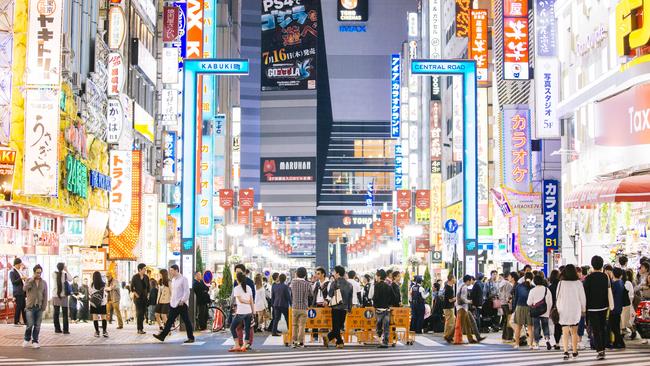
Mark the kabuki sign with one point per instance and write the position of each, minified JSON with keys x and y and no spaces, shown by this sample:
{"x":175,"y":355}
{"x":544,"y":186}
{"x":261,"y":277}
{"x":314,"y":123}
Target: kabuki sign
{"x":44,"y":42}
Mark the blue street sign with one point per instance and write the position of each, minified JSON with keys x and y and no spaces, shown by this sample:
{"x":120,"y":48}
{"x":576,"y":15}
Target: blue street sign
{"x":311,"y":313}
{"x":451,"y":226}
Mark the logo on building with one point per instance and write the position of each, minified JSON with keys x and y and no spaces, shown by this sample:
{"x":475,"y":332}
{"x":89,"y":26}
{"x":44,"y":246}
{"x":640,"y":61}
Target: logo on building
{"x":632,"y":31}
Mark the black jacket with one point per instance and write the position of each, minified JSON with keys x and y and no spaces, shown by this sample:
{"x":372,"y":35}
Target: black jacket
{"x":449,"y":296}
{"x":383,"y":297}
{"x":140,"y":287}
{"x":202,"y":292}
{"x":346,"y":293}
{"x":17,"y":283}
{"x":397,"y":294}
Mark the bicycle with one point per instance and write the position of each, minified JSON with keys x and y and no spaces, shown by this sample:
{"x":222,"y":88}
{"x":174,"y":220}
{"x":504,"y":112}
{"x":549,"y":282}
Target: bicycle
{"x":218,"y":315}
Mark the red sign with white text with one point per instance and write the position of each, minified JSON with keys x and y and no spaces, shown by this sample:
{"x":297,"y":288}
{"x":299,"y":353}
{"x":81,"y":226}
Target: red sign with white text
{"x":246,"y":198}
{"x":403,"y":219}
{"x":243,"y":216}
{"x":478,"y":42}
{"x":404,"y":199}
{"x":423,"y":199}
{"x":515,"y":49}
{"x":258,"y":219}
{"x":515,"y":8}
{"x":170,"y":23}
{"x":226,"y":198}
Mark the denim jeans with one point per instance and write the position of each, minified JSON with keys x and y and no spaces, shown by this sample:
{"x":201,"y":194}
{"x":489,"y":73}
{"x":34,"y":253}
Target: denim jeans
{"x":34,"y":318}
{"x":541,"y":324}
{"x":241,"y":318}
{"x":383,"y":325}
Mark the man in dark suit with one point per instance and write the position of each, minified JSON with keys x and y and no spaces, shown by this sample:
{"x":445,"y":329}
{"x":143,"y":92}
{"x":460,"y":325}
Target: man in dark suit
{"x":201,"y":291}
{"x":17,"y":279}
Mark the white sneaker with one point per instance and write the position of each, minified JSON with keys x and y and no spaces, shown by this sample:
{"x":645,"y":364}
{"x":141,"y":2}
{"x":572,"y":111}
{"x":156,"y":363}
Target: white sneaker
{"x":534,"y":347}
{"x":516,"y":346}
{"x":35,"y":345}
{"x":26,"y":344}
{"x":644,"y":341}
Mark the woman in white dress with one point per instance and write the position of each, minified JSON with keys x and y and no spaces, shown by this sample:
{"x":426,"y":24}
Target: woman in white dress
{"x":125,"y":302}
{"x":260,"y":303}
{"x":571,"y":304}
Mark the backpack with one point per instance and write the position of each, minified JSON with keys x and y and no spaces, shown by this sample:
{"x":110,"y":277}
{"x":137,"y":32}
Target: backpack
{"x":539,"y":308}
{"x":416,"y":296}
{"x":97,"y":298}
{"x":476,"y":295}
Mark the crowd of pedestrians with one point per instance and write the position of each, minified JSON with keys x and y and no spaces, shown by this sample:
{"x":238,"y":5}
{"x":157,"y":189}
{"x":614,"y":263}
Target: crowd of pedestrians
{"x":557,"y":311}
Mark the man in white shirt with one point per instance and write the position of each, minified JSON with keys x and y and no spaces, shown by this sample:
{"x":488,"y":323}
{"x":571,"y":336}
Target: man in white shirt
{"x":178,"y":305}
{"x":356,"y":289}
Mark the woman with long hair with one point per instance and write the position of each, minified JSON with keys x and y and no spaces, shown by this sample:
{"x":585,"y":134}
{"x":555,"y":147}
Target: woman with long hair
{"x":164,"y":296}
{"x":98,"y":301}
{"x":62,"y":290}
{"x":243,"y":295}
{"x":554,"y":280}
{"x":522,"y":311}
{"x":571,"y":304}
{"x":627,"y":318}
{"x":260,"y":303}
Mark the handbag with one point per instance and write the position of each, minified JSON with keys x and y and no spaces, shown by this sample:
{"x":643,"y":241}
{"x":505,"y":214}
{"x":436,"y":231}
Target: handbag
{"x":337,"y":298}
{"x":555,"y":314}
{"x":610,"y":296}
{"x":539,"y":308}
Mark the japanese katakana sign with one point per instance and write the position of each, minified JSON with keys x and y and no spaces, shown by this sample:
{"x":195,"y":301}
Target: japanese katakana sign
{"x":516,"y":148}
{"x":515,"y":48}
{"x":44,"y":43}
{"x":478,"y":43}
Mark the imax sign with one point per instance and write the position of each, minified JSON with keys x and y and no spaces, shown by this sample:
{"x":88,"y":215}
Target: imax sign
{"x":352,"y":29}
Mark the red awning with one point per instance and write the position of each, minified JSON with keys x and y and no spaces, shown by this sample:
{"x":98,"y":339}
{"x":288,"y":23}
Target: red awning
{"x":631,"y":189}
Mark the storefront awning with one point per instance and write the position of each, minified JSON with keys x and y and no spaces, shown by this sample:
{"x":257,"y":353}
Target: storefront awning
{"x":630,"y":189}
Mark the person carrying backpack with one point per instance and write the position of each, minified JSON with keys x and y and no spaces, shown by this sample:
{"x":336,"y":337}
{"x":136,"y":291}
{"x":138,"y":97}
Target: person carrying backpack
{"x":418,"y":296}
{"x":98,"y":301}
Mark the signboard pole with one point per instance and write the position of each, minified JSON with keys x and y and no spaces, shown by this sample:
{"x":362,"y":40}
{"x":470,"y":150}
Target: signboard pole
{"x":466,"y":68}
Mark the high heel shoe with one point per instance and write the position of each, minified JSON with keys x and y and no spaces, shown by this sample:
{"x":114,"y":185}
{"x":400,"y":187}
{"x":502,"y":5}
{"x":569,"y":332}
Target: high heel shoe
{"x":566,"y":356}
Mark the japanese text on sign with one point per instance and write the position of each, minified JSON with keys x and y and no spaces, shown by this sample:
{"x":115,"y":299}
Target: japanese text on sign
{"x":516,"y":148}
{"x":545,"y":28}
{"x":478,"y":42}
{"x":462,"y":18}
{"x":515,"y":48}
{"x":395,"y":95}
{"x":43,"y":64}
{"x":41,"y":142}
{"x":551,"y":207}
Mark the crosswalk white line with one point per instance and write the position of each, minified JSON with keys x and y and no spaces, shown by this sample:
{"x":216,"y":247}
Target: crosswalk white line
{"x":273,"y":341}
{"x":426,"y":341}
{"x":11,"y":361}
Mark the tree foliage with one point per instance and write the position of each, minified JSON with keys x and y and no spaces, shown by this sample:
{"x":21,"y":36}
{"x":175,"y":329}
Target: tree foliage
{"x":405,"y":287}
{"x":225,"y":291}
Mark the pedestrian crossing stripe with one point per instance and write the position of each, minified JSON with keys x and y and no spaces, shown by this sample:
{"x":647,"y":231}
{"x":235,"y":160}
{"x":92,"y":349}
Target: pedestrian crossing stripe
{"x":422,"y":340}
{"x":356,"y":357}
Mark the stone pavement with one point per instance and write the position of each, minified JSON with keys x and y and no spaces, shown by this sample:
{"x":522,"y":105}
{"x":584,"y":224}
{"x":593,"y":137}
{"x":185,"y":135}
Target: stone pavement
{"x":83,"y":334}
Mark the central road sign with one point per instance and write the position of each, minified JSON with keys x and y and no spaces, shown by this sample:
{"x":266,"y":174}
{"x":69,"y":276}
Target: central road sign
{"x":467,"y":69}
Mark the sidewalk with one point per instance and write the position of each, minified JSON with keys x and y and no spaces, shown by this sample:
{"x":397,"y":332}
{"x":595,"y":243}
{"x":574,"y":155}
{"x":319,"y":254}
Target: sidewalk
{"x":83,"y":334}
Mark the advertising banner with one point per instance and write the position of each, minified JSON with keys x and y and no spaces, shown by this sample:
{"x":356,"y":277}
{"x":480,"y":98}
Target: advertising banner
{"x":289,"y":44}
{"x":194,"y":32}
{"x":623,"y":120}
{"x":258,"y":219}
{"x":458,"y":103}
{"x":478,"y":43}
{"x":149,"y":232}
{"x":404,"y":199}
{"x":435,"y":45}
{"x":243,"y":216}
{"x":204,"y":202}
{"x":551,"y":211}
{"x":116,"y":27}
{"x":516,"y":148}
{"x":283,"y":170}
{"x":422,"y":243}
{"x":181,"y":40}
{"x":395,"y":96}
{"x":76,"y":180}
{"x":515,"y":8}
{"x":226,"y":198}
{"x":7,"y":166}
{"x":462,"y":17}
{"x":170,"y":23}
{"x":483,"y":159}
{"x":43,"y":63}
{"x":169,"y":107}
{"x":41,"y":160}
{"x":435,"y":218}
{"x":125,"y":204}
{"x":114,"y":121}
{"x":162,"y":235}
{"x":169,"y":65}
{"x":547,"y":89}
{"x":143,"y":122}
{"x":387,"y":220}
{"x":169,"y":164}
{"x":435,"y":117}
{"x":398,"y":167}
{"x":93,"y":259}
{"x":545,"y":28}
{"x":246,"y":198}
{"x":352,"y":10}
{"x":174,"y":230}
{"x":423,"y":199}
{"x":115,"y":74}
{"x":515,"y":49}
{"x":403,"y":219}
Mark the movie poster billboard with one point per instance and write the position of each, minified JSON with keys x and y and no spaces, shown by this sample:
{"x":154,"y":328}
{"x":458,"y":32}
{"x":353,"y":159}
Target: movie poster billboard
{"x":289,"y":44}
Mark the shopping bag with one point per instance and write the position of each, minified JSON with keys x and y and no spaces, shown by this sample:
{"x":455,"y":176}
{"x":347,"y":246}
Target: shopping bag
{"x":282,"y":325}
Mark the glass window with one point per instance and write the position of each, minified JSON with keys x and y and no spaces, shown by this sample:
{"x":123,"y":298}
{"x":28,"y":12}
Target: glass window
{"x":374,"y":149}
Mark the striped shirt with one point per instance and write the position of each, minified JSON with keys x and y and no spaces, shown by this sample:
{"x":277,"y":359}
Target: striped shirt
{"x":300,"y":290}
